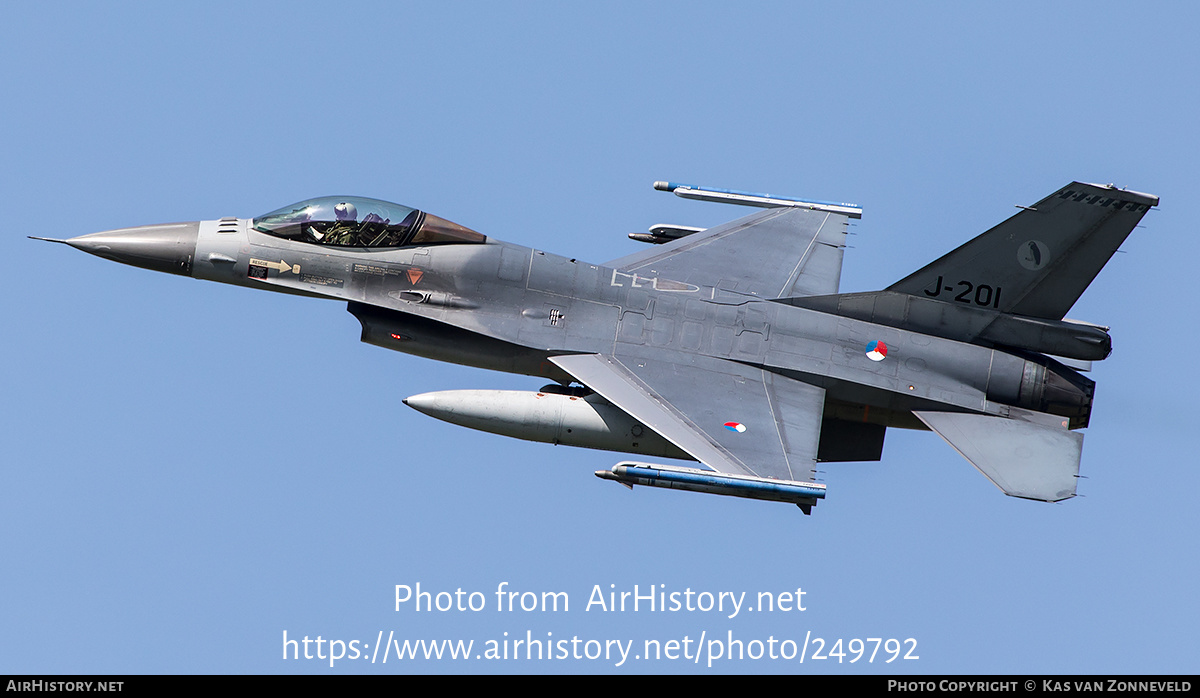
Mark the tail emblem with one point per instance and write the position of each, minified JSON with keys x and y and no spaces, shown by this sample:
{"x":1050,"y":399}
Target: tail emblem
{"x":1033,"y":255}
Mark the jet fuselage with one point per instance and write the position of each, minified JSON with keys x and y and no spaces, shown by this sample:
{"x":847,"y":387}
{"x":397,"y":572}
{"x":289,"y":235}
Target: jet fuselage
{"x":505,"y":307}
{"x":730,"y":345}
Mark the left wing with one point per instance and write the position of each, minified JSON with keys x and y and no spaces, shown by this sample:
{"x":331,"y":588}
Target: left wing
{"x":777,"y":253}
{"x":731,"y":417}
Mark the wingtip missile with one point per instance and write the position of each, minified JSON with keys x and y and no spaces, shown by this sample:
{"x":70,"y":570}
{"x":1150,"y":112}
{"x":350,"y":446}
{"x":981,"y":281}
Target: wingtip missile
{"x":629,"y":473}
{"x":760,"y":200}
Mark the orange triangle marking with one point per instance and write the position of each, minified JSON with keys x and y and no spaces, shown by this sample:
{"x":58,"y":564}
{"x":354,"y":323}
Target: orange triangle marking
{"x":414,"y":275}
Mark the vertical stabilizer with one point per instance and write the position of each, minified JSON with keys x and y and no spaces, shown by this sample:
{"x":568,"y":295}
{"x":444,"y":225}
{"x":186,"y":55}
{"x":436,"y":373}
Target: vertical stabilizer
{"x":1038,"y":262}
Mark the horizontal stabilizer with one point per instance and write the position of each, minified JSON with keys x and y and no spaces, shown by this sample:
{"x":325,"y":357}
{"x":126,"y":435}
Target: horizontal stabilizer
{"x":1024,"y":459}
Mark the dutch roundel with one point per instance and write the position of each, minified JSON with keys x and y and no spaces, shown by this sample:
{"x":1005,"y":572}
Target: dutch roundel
{"x":876,"y":350}
{"x":735,"y":426}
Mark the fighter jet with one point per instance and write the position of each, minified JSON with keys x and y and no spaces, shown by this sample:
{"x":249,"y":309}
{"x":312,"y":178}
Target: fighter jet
{"x":730,"y":346}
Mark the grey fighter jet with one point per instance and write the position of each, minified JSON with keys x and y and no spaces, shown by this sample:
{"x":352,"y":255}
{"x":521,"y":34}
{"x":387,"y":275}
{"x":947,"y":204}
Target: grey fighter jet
{"x":730,"y":346}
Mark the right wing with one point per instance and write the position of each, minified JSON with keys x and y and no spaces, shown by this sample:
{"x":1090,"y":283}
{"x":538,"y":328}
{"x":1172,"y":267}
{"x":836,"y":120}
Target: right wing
{"x":780,"y":252}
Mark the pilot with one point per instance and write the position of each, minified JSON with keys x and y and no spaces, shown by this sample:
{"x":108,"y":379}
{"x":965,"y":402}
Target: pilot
{"x":344,"y":232}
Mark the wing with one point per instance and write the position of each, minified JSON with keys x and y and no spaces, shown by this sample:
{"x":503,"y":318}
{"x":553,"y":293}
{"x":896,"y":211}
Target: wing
{"x":733,"y":418}
{"x":780,"y":252}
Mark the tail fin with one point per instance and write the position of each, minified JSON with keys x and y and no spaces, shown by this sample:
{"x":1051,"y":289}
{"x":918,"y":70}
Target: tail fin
{"x":1038,"y":262}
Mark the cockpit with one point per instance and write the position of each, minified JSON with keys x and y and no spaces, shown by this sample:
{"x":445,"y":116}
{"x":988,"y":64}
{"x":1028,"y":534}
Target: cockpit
{"x":355,"y":221}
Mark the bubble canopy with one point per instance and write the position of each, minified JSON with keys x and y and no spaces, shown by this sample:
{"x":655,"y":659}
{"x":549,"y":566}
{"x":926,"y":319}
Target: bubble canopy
{"x":355,"y":221}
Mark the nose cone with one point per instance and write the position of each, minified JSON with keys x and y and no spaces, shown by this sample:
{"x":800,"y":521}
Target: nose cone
{"x":168,"y":248}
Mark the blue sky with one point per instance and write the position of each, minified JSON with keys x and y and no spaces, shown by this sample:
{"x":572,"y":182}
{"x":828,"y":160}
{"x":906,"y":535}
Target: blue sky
{"x":190,"y":470}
